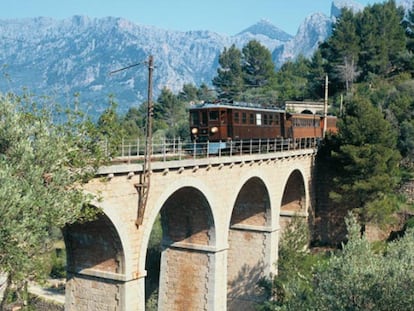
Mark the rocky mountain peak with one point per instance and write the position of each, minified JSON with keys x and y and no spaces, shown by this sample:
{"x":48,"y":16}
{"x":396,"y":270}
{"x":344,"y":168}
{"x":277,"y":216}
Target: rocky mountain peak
{"x":265,"y":27}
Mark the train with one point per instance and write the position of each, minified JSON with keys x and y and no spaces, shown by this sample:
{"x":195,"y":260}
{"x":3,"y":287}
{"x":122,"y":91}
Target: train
{"x":226,"y":125}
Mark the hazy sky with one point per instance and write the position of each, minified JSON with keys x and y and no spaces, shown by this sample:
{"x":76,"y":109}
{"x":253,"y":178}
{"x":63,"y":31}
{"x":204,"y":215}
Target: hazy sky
{"x":222,"y":16}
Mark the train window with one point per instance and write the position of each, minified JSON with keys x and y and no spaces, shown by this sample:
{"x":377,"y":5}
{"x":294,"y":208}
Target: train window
{"x":194,"y":118}
{"x":236,"y":117}
{"x":251,"y":118}
{"x":277,"y":119}
{"x":204,"y":117}
{"x":223,"y":117}
{"x":244,"y":118}
{"x":270,"y":119}
{"x":213,"y":115}
{"x":265,"y":116}
{"x":258,"y":119}
{"x":296,"y":122}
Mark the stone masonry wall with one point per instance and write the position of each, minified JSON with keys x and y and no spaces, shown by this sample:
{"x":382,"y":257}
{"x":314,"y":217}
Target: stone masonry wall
{"x":92,"y":294}
{"x":184,"y":280}
{"x":245,"y":268}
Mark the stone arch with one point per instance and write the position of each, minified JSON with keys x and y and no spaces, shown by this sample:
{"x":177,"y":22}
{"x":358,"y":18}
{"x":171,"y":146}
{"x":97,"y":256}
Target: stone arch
{"x":294,"y":193}
{"x":187,"y":218}
{"x":295,"y":199}
{"x":252,"y":204}
{"x":159,"y":204}
{"x":95,"y":263}
{"x":248,"y":244}
{"x":307,"y":111}
{"x":187,"y":262}
{"x":94,"y":245}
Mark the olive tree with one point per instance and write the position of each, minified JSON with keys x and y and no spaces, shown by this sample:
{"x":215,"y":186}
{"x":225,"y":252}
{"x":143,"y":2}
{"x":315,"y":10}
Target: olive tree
{"x":357,"y":277}
{"x":42,"y":166}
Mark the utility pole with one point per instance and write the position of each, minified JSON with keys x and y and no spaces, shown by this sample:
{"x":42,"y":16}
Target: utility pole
{"x":325,"y":107}
{"x":144,"y":179}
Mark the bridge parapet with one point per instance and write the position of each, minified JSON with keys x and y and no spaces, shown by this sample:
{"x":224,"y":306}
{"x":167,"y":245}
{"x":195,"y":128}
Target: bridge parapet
{"x":157,"y":165}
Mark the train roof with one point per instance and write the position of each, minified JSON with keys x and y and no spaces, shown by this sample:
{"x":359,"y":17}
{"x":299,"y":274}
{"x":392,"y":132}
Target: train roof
{"x":236,"y":105}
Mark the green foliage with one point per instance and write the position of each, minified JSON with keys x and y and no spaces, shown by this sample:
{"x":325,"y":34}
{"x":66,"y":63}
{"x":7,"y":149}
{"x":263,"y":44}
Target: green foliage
{"x":342,"y":51}
{"x":133,"y":123}
{"x":152,"y":265}
{"x":367,"y":162}
{"x":109,"y":128}
{"x":189,"y":93}
{"x":360,"y":277}
{"x":42,"y":165}
{"x":240,"y":71}
{"x":382,"y":38}
{"x":170,"y":113}
{"x":229,"y":79}
{"x":257,"y":65}
{"x":316,"y":77}
{"x":292,"y":80}
{"x":295,"y":268}
{"x":58,"y":261}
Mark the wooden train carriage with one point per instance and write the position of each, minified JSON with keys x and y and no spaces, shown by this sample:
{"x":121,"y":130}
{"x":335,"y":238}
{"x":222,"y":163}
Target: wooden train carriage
{"x":308,"y":125}
{"x":330,"y":124}
{"x":303,"y":125}
{"x":221,"y":122}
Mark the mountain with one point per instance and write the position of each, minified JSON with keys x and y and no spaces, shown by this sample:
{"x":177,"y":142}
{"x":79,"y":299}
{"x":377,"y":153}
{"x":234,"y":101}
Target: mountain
{"x":76,"y":55}
{"x":264,"y":27}
{"x":314,"y":30}
{"x":63,"y":57}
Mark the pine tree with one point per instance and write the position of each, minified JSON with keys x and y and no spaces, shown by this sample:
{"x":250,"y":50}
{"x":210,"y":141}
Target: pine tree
{"x":229,"y":80}
{"x":257,"y":65}
{"x":169,"y":112}
{"x":316,"y":76}
{"x":367,"y":162}
{"x":342,"y":51}
{"x":382,"y":39}
{"x":292,"y":79}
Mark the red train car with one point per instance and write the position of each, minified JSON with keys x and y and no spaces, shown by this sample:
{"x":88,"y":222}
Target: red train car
{"x":224,"y":122}
{"x":303,"y":125}
{"x":221,"y":122}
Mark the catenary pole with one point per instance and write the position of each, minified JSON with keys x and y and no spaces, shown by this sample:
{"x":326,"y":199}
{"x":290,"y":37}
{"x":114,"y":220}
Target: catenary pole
{"x":144,"y":180}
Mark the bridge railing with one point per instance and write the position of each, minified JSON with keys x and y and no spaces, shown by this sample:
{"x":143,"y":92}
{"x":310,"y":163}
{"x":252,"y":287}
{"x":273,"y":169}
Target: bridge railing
{"x":177,"y":149}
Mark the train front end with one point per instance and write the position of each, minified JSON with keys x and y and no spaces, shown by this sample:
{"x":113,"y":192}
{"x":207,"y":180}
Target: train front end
{"x":208,"y":127}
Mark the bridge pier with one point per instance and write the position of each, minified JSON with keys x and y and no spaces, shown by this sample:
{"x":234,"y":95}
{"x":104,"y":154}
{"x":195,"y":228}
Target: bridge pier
{"x":92,"y":290}
{"x":252,"y":256}
{"x":193,"y":277}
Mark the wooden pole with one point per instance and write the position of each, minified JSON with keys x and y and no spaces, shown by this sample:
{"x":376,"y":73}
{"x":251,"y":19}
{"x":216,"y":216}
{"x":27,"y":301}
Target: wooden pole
{"x":144,"y":184}
{"x":325,"y":106}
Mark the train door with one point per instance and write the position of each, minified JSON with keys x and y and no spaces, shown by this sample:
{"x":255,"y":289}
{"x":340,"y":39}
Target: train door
{"x":223,"y":124}
{"x":229,"y":122}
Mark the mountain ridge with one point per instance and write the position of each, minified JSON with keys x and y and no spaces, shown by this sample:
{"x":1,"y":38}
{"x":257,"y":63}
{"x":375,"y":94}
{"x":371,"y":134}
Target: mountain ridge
{"x":61,"y":58}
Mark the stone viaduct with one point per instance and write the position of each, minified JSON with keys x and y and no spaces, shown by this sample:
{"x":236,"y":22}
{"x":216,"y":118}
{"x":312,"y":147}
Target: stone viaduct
{"x":222,"y":219}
